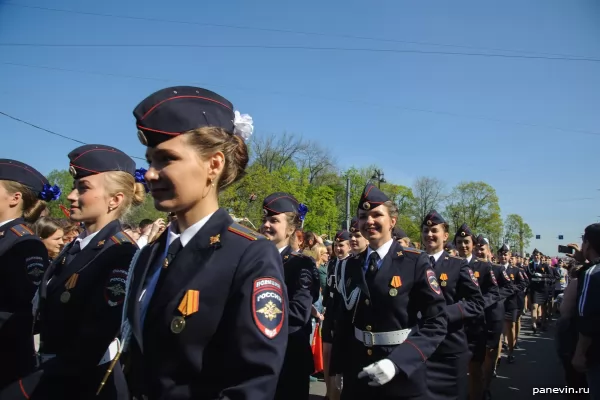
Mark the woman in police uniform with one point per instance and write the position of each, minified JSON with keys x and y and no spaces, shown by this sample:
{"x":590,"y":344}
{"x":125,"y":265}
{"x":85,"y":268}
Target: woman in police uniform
{"x":447,"y":368}
{"x":206,"y":306}
{"x":23,"y":261}
{"x":283,"y":215}
{"x":80,"y":301}
{"x":377,"y":346}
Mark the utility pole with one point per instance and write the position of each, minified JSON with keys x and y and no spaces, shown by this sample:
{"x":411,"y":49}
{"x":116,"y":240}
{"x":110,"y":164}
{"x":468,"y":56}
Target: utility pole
{"x":521,"y":239}
{"x":348,"y":203}
{"x":378,"y":176}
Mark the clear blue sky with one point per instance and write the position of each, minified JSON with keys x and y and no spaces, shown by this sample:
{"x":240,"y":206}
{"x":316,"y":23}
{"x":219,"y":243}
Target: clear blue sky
{"x":356,"y":103}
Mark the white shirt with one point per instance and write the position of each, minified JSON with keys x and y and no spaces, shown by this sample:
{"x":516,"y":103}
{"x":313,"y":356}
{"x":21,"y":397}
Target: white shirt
{"x":6,"y":222}
{"x":282,"y":249}
{"x":142,"y":241}
{"x":382,"y":251}
{"x":85,"y":239}
{"x":189,"y":233}
{"x":469,"y":258}
{"x":437,"y":255}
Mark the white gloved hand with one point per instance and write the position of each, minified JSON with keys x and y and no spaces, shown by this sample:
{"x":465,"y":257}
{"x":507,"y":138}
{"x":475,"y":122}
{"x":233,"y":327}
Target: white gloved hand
{"x":537,"y":274}
{"x":339,"y":382}
{"x":380,"y":372}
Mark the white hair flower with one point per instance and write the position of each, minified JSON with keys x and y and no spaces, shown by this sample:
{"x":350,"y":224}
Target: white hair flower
{"x":243,"y":125}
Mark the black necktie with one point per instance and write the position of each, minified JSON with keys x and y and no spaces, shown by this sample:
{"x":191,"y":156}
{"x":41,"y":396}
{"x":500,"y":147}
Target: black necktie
{"x":73,"y":251}
{"x":372,"y":268}
{"x":174,"y":248}
{"x":158,"y":267}
{"x":432,"y":261}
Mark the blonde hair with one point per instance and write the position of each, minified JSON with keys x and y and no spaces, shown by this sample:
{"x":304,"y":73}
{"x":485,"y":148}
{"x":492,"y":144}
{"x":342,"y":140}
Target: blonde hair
{"x":392,"y":209}
{"x":134,"y":192}
{"x":209,"y":140}
{"x":319,"y":249}
{"x":32,"y":206}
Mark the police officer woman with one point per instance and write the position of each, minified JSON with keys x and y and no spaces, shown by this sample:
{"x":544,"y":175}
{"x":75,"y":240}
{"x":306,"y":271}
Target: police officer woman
{"x":23,"y":261}
{"x":377,"y":346}
{"x":358,"y":243}
{"x":206,"y":306}
{"x":282,"y":216}
{"x":447,"y":368}
{"x":81,"y":299}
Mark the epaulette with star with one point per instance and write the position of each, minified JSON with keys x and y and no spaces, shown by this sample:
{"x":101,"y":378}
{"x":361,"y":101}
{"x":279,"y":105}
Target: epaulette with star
{"x":412,"y":250}
{"x":21,"y":230}
{"x":245,"y":232}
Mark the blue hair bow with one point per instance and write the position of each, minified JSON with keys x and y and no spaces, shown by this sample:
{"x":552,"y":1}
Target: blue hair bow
{"x":139,"y":177}
{"x":49,"y":193}
{"x":302,"y":210}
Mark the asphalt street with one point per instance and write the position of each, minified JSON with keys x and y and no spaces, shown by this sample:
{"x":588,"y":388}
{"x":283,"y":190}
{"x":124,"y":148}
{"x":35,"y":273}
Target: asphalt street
{"x":536,"y":366}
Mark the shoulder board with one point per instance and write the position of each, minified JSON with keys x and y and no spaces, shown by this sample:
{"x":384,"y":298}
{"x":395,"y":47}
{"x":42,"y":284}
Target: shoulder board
{"x":481,"y":260}
{"x":457,"y":257}
{"x":412,"y":250}
{"x":121,"y":237}
{"x":21,"y":230}
{"x":244,"y":232}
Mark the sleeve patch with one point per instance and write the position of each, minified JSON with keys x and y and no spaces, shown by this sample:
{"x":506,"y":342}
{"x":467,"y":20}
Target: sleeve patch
{"x":268,"y":306}
{"x":35,"y":269}
{"x":114,"y":290}
{"x":473,"y":278}
{"x":505,"y":275}
{"x":433,"y":282}
{"x":306,"y":279}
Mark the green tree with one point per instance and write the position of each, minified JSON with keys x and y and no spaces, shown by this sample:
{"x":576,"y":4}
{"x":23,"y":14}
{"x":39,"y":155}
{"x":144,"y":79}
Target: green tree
{"x":64,"y":180}
{"x":517,"y":232}
{"x":145,"y":210}
{"x":477,"y":205}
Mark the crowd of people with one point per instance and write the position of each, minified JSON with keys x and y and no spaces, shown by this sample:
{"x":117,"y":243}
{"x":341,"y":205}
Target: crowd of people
{"x":198,"y":306}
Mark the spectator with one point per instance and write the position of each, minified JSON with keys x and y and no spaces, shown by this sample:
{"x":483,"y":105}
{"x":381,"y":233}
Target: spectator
{"x":51,"y":232}
{"x":587,"y":352}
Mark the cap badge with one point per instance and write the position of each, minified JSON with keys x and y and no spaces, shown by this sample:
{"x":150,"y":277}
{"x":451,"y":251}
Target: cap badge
{"x":463,"y":234}
{"x":72,"y":171}
{"x":142,"y":137}
{"x":429,"y":223}
{"x":265,"y":212}
{"x":366,"y":205}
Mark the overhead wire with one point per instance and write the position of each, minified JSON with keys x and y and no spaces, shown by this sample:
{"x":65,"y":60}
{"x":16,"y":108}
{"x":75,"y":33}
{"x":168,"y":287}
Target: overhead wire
{"x":312,"y":96}
{"x":286,"y":47}
{"x":51,"y":132}
{"x":289,"y":31}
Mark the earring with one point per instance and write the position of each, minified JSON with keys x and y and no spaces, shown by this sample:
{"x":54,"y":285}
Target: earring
{"x":212,"y":184}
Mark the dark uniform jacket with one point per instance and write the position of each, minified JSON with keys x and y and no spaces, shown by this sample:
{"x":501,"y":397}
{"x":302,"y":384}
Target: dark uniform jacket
{"x":520,"y":284}
{"x":377,"y":310}
{"x":505,"y":289}
{"x":487,"y":281}
{"x":302,"y":282}
{"x":538,"y":283}
{"x":232,"y":344}
{"x":23,"y":262}
{"x":464,"y":301}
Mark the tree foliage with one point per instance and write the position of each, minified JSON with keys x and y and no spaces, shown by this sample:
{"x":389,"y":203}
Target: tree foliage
{"x":287,"y":163}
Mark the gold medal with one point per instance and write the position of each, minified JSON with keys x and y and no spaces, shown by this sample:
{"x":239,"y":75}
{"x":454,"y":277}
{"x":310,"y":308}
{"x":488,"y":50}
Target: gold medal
{"x":393,"y":292}
{"x":65,"y":296}
{"x":177,"y":325}
{"x":444,"y":283}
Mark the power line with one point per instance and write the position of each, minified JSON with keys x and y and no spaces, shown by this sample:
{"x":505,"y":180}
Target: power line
{"x":52,"y":132}
{"x":313,"y":97}
{"x":289,"y":31}
{"x":285,"y":47}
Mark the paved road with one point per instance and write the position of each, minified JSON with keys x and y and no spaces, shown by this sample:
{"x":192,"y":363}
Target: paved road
{"x":536,"y":366}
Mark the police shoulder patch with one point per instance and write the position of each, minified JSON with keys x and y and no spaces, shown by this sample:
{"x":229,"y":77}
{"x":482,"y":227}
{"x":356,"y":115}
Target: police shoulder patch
{"x":493,"y":276}
{"x":505,"y":275}
{"x":433,"y":282}
{"x":473,"y":277}
{"x":35,"y":269}
{"x":244,"y":232}
{"x":268,"y":306}
{"x":114,"y":289}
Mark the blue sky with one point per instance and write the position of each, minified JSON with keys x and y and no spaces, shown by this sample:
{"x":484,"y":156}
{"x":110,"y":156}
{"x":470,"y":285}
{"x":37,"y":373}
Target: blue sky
{"x":362,"y":105}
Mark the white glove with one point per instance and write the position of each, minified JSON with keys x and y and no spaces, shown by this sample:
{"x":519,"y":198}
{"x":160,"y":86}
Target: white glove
{"x":339,"y":382}
{"x":380,"y":372}
{"x":537,"y":274}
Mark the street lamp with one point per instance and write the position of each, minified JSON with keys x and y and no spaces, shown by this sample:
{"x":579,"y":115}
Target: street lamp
{"x":378,"y":176}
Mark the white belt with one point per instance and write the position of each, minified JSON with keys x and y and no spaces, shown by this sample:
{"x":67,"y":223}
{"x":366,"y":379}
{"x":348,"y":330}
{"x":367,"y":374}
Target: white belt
{"x":381,"y":338}
{"x":108,"y":356}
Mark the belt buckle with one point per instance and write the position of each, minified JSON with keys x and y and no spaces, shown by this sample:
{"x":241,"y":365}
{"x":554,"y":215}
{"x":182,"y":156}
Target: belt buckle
{"x":368,"y":335}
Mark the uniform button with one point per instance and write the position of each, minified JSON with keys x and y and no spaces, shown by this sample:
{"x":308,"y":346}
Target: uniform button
{"x":367,"y":302}
{"x":370,"y":352}
{"x":368,"y":327}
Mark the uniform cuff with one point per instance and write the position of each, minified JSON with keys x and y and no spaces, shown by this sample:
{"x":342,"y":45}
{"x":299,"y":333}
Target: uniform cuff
{"x":407,"y":357}
{"x":455,"y":313}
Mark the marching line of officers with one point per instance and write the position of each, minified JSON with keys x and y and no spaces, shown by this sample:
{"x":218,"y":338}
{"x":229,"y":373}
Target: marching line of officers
{"x":214,"y":310}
